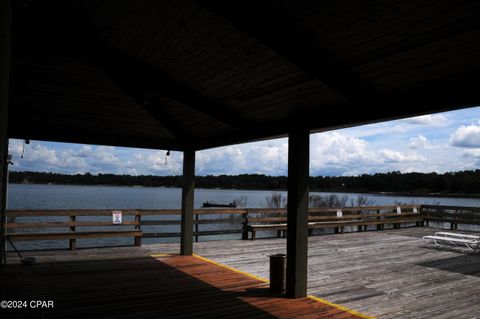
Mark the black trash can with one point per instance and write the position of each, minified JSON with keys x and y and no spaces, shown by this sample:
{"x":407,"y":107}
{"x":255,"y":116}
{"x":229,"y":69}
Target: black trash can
{"x":278,"y":271}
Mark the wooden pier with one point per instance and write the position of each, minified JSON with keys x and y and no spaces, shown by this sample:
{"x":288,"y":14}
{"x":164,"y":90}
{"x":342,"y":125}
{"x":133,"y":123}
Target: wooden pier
{"x":384,"y":274}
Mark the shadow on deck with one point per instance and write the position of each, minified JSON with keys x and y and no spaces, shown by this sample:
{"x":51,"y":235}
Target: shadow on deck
{"x":162,"y":287}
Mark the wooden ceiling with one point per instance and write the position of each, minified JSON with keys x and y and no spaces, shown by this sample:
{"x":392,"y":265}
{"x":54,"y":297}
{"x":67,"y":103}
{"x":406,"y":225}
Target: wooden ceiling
{"x":199,"y":74}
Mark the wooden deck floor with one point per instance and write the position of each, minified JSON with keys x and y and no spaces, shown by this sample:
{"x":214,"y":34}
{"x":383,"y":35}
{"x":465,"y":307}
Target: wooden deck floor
{"x":388,"y":274}
{"x":155,"y":287}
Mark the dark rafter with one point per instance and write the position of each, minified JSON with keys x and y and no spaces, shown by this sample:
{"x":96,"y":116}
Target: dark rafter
{"x":168,"y":88}
{"x":258,"y":19}
{"x":145,"y":98}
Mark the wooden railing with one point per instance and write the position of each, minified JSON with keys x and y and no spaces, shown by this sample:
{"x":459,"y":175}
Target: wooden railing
{"x":136,"y":223}
{"x":454,"y":215}
{"x":68,"y":227}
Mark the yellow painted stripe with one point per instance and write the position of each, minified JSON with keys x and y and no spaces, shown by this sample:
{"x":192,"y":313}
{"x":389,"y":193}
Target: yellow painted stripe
{"x":343,"y":308}
{"x":350,"y":311}
{"x":231,"y":268}
{"x":160,"y":255}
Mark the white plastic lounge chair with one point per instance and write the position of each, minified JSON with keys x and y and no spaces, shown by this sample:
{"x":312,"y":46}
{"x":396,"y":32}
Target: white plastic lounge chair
{"x":471,"y":242}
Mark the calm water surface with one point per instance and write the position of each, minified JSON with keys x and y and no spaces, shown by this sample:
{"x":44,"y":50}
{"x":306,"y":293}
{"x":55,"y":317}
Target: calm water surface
{"x":24,"y":196}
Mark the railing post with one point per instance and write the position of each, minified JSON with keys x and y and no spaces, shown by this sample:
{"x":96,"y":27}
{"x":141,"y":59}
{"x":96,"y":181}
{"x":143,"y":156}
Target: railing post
{"x":196,"y":228}
{"x":245,"y":226}
{"x":73,"y":242}
{"x":360,"y":227}
{"x":138,"y":226}
{"x":453,"y":225}
{"x":379,"y":226}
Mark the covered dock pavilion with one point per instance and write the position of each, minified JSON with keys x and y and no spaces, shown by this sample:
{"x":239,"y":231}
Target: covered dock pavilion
{"x":192,"y":75}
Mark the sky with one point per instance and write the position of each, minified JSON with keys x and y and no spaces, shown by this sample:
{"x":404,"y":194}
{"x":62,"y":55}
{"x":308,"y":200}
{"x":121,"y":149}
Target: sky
{"x":441,"y":142}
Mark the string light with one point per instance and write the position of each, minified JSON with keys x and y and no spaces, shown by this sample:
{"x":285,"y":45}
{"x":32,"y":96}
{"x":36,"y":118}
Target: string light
{"x":25,"y":142}
{"x":166,"y":157}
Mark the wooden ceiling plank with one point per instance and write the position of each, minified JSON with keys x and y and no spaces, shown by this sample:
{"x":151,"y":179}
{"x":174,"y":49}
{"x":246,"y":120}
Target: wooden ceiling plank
{"x":208,"y":56}
{"x":186,"y":44}
{"x":295,"y":47}
{"x":430,"y":55}
{"x":371,"y":26}
{"x":415,"y":40}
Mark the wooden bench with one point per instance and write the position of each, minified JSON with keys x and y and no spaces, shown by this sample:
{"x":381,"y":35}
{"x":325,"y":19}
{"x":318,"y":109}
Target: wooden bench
{"x":468,"y":241}
{"x":350,"y":217}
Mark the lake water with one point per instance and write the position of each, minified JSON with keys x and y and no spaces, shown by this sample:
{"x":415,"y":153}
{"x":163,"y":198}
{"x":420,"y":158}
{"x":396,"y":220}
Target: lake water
{"x":27,"y":196}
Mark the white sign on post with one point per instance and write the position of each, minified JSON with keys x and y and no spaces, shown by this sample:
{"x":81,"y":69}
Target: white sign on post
{"x":399,"y":210}
{"x":117,"y":217}
{"x":339,"y":213}
{"x":415,"y":210}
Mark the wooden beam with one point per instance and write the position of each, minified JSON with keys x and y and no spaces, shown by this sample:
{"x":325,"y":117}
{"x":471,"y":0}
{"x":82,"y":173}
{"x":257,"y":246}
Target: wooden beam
{"x":259,"y":20}
{"x":297,"y":216}
{"x":145,"y":99}
{"x":186,"y":239}
{"x":171,"y":89}
{"x":5,"y":46}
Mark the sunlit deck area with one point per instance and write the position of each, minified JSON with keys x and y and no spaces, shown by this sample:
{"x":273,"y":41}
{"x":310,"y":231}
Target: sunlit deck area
{"x":388,"y":274}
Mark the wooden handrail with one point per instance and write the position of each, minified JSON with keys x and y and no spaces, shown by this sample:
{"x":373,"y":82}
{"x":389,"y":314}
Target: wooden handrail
{"x":75,"y":228}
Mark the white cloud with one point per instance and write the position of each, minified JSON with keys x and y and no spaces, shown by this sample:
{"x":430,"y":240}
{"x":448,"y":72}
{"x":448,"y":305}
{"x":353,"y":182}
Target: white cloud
{"x":373,"y":130}
{"x":390,"y":156}
{"x":268,"y":158}
{"x":84,"y":151}
{"x":33,"y":153}
{"x":336,"y":154}
{"x":419,"y":142}
{"x":466,"y":137}
{"x":437,"y":120}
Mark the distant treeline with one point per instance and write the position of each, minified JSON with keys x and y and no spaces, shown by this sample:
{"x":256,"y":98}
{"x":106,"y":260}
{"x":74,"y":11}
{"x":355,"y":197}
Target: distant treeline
{"x":464,"y":182}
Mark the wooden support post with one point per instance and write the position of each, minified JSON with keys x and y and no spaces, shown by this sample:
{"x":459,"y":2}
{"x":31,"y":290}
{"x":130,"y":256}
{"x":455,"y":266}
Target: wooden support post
{"x":360,"y":227}
{"x":245,"y":226}
{"x":5,"y":45}
{"x":138,"y":226}
{"x":196,"y":228}
{"x":186,"y":237}
{"x":297,"y":207}
{"x":379,"y":226}
{"x":73,"y":242}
